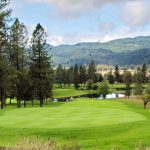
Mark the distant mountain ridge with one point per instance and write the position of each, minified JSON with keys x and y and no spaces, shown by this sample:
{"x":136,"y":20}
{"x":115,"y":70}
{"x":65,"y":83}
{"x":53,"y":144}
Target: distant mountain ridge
{"x":120,"y":51}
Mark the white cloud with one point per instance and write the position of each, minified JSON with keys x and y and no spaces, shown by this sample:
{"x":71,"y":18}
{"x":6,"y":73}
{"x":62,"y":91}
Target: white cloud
{"x":75,"y":8}
{"x":136,"y":13}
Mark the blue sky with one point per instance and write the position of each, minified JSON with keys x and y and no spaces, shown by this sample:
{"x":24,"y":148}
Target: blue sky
{"x":73,"y":21}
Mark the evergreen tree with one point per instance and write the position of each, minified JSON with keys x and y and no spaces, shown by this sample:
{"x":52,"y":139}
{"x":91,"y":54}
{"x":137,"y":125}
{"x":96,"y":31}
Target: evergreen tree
{"x":40,"y":66}
{"x":59,"y":75}
{"x":64,"y":79}
{"x":89,"y":84}
{"x":70,"y":72}
{"x":18,"y":42}
{"x":137,"y":78}
{"x":82,"y":75}
{"x":138,"y":89}
{"x":117,"y":74}
{"x":92,"y":72}
{"x":127,"y":79}
{"x":76,"y":79}
{"x":4,"y":70}
{"x":100,"y":78}
{"x":128,"y":90}
{"x":144,"y":73}
{"x":110,"y":78}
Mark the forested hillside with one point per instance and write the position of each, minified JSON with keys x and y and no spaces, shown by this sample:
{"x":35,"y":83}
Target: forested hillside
{"x":121,"y":51}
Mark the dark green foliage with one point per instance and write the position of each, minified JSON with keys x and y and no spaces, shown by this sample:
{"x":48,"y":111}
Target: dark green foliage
{"x":65,"y":76}
{"x":138,"y":89}
{"x":128,"y":90}
{"x":94,"y":86}
{"x":4,"y":46}
{"x":137,"y":78}
{"x":17,"y":58}
{"x":59,"y":76}
{"x":144,"y":73}
{"x":40,"y":66}
{"x":82,"y":74}
{"x":127,"y":77}
{"x":76,"y":78}
{"x":110,"y":78}
{"x":70,"y":76}
{"x":100,"y":77}
{"x":89,"y":84}
{"x":92,"y":72}
{"x":103,"y":88}
{"x":20,"y":77}
{"x":117,"y":74}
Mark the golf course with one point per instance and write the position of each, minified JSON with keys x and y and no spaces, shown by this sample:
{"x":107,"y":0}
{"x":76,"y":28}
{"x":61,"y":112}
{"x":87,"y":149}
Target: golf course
{"x":74,"y":75}
{"x":91,"y":123}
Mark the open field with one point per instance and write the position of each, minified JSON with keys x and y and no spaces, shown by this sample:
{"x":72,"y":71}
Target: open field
{"x":93,"y":124}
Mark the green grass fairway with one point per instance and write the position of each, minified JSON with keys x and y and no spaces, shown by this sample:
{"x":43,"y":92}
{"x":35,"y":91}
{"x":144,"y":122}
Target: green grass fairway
{"x":91,"y":123}
{"x":67,"y":92}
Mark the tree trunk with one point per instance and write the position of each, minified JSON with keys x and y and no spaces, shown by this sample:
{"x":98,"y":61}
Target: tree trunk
{"x":1,"y":99}
{"x":41,"y":102}
{"x":46,"y":100}
{"x":2,"y":104}
{"x":5,"y":103}
{"x":145,"y":103}
{"x":32,"y":103}
{"x":10,"y":101}
{"x":24,"y":103}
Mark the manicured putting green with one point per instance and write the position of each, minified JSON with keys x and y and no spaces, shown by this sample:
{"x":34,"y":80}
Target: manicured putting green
{"x":66,"y":117}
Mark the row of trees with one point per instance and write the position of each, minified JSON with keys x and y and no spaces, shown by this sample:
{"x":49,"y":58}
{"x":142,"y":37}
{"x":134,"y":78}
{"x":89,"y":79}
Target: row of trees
{"x":25,"y":67}
{"x":140,"y":75}
{"x":77,"y":75}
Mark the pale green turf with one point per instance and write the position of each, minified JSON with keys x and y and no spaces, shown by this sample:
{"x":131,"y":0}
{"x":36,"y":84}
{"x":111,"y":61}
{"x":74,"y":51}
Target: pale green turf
{"x":93,"y":124}
{"x":66,"y":92}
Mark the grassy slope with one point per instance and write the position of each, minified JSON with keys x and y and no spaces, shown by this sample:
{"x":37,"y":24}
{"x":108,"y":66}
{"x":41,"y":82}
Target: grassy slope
{"x":93,"y":124}
{"x":57,"y":93}
{"x":68,"y":91}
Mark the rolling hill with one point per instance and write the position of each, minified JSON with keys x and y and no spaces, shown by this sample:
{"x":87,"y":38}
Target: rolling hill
{"x":120,"y":51}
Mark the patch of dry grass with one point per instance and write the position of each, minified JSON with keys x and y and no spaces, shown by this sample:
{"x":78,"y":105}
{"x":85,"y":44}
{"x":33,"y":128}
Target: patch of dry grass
{"x":38,"y":144}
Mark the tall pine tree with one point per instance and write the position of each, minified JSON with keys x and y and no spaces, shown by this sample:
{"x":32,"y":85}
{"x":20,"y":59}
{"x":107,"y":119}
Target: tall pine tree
{"x":4,"y":75}
{"x":18,"y":42}
{"x":40,"y":66}
{"x":76,"y":79}
{"x":92,"y":72}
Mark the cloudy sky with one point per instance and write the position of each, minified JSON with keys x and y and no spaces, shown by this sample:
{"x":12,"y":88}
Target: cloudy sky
{"x":73,"y":21}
